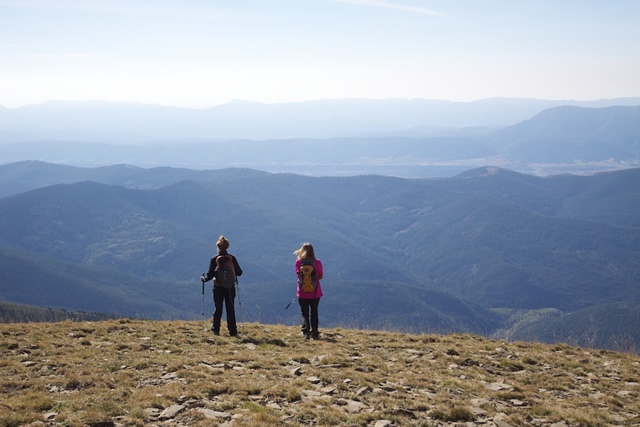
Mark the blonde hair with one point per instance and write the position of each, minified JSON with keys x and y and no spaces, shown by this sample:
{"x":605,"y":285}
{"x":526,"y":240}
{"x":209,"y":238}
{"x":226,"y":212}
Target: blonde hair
{"x":305,"y":252}
{"x":223,"y":243}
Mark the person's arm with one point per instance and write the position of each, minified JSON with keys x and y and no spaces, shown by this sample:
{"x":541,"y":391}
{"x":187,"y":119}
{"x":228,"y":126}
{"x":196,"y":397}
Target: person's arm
{"x":236,"y":266}
{"x":319,"y":271}
{"x":212,"y":269}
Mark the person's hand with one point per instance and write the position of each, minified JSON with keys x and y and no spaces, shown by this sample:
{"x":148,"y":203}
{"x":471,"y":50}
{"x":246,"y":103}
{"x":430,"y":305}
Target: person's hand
{"x":202,"y":279}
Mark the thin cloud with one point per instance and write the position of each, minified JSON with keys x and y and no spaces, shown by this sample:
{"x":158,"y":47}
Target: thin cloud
{"x":99,"y":5}
{"x":389,"y":5}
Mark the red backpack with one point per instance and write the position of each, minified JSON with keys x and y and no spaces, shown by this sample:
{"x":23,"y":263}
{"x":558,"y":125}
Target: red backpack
{"x":225,"y":273}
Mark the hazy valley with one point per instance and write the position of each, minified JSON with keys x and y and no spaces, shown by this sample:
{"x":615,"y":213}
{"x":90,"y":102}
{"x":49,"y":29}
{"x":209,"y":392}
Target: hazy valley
{"x":406,"y":138}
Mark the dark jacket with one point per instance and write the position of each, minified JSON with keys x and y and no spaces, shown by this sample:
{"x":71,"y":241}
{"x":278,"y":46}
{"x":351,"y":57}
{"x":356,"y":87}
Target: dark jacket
{"x":212,"y":266}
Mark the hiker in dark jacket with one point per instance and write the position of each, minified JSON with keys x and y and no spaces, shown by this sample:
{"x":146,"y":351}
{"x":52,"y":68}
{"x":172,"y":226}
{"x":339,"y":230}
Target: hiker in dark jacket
{"x":308,"y":299}
{"x":222,"y":294}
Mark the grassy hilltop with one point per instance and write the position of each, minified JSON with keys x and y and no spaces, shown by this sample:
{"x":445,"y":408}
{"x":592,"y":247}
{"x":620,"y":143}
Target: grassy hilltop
{"x":134,"y":372}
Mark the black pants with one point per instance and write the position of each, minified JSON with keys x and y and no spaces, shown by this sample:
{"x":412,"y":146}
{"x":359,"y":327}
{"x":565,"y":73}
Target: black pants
{"x":223,"y":295}
{"x":309,"y":311}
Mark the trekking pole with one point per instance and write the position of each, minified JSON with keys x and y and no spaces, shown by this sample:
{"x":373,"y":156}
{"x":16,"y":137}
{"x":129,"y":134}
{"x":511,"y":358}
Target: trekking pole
{"x":202,"y":332}
{"x":294,"y":298}
{"x":240,"y":305}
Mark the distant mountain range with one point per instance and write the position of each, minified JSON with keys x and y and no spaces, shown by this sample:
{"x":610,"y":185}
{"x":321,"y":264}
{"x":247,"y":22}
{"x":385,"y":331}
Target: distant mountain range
{"x":116,"y":123}
{"x":467,"y":253}
{"x":564,"y":134}
{"x":404,"y":138}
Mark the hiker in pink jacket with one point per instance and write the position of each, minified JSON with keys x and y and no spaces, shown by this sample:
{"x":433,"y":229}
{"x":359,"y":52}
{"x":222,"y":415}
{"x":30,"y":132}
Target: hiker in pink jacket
{"x":309,"y":271}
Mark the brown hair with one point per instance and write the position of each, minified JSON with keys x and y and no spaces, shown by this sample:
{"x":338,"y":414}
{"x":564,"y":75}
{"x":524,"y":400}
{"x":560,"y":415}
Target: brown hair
{"x":223,"y":243}
{"x":305,"y":252}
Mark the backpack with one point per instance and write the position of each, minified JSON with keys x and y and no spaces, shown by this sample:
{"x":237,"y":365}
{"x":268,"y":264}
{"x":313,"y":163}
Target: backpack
{"x":225,"y":273}
{"x":308,"y":282}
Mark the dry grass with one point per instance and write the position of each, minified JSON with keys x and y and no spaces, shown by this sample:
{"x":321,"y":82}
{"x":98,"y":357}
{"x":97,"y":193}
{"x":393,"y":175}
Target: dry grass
{"x":117,"y":372}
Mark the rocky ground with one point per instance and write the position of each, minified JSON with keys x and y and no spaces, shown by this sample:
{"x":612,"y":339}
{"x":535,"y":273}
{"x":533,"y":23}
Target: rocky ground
{"x":132,"y":372}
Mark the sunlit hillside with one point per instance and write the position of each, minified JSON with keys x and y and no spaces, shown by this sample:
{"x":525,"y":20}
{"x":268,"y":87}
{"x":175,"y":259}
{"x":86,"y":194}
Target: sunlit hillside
{"x":130,"y":372}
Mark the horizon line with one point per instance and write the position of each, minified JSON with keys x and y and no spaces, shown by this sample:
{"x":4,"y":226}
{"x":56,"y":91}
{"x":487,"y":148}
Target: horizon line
{"x":245,"y":101}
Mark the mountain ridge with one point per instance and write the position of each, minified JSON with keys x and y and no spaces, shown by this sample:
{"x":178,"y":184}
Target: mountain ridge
{"x":574,"y":133}
{"x":491,"y":236}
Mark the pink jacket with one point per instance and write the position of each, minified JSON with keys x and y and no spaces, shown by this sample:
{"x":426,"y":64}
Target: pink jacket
{"x":318,"y":291}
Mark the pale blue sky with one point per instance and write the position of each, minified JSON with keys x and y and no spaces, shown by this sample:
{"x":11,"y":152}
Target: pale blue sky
{"x":209,"y":52}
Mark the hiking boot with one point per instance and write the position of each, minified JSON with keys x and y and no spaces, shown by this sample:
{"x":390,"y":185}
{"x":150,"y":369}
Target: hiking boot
{"x":213,"y":329}
{"x":315,"y":335}
{"x":307,"y":336}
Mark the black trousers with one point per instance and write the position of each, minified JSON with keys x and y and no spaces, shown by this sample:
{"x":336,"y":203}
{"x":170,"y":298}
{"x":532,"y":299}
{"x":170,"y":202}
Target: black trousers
{"x":224,"y":296}
{"x":309,"y":315}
